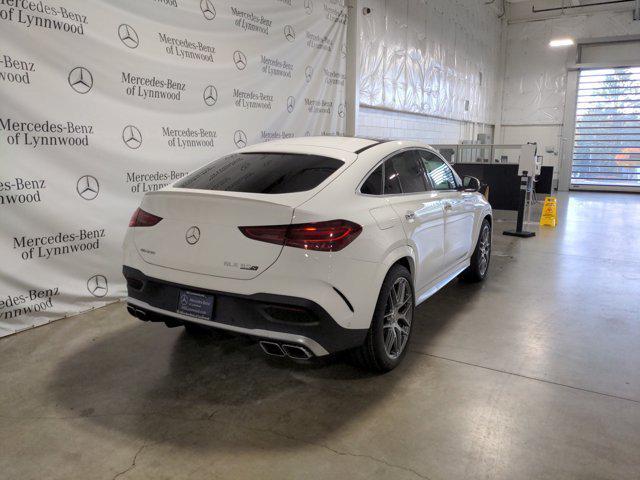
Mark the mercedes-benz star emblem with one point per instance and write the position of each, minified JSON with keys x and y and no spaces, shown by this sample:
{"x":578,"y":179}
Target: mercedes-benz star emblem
{"x":240,"y":60}
{"x":208,"y":10}
{"x":193,"y":235}
{"x":308,"y":6}
{"x":88,"y":187}
{"x":80,"y":79}
{"x":289,"y":33}
{"x":210,"y":95}
{"x":98,"y":286}
{"x":128,"y":36}
{"x":132,"y":137}
{"x":308,"y":73}
{"x":291,"y":104}
{"x":240,"y":139}
{"x":341,"y":110}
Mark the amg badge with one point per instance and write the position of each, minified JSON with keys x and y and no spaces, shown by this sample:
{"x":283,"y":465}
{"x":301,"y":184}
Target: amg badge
{"x":241,"y":266}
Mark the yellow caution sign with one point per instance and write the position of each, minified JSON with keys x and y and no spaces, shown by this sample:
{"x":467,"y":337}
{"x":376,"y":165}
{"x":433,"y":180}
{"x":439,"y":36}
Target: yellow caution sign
{"x":549,"y":215}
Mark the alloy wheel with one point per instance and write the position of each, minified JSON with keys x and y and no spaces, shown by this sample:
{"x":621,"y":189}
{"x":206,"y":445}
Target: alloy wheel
{"x":397,"y":318}
{"x":485,"y":249}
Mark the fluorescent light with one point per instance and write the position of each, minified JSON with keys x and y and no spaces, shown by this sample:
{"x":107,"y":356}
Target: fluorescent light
{"x":561,"y":42}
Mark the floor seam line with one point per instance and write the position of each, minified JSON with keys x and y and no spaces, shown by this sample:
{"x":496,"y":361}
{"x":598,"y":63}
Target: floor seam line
{"x":527,"y":377}
{"x":571,"y":255}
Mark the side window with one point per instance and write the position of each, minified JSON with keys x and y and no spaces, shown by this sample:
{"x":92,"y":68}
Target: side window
{"x":391,"y":179}
{"x":440,"y":174}
{"x":409,"y":170}
{"x":373,"y":184}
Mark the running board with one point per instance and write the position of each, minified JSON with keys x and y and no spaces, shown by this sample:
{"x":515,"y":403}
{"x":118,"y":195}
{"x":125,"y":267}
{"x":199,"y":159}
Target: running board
{"x":445,"y":279}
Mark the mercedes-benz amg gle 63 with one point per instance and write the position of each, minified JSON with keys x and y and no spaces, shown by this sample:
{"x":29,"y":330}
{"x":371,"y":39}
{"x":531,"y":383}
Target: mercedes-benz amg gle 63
{"x":311,"y":245}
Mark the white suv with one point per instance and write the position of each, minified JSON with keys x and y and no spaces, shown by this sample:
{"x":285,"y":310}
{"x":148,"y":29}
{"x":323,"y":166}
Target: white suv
{"x":312,"y":245}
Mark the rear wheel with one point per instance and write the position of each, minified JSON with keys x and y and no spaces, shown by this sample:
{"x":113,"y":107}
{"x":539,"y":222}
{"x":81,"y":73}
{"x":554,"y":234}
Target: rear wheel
{"x":387,"y":340}
{"x":479,"y":267}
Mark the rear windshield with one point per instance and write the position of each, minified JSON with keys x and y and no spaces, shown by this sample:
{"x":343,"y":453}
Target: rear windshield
{"x":263,"y":173}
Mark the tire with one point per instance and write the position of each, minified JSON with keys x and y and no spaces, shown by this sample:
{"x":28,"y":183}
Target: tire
{"x":388,"y":338}
{"x":481,"y":258}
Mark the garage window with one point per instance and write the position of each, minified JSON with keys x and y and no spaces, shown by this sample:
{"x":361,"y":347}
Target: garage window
{"x":263,"y":173}
{"x":607,"y":137}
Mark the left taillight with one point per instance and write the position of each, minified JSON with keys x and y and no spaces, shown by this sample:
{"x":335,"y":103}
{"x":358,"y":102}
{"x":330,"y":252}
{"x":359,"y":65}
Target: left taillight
{"x":331,"y":236}
{"x":140,"y":218}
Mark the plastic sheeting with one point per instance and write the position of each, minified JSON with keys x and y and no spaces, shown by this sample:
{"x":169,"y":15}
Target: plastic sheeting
{"x":436,"y":57}
{"x":536,"y":75}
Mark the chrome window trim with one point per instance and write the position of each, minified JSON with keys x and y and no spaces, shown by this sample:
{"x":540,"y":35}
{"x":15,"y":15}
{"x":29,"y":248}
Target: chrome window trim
{"x":396,"y":152}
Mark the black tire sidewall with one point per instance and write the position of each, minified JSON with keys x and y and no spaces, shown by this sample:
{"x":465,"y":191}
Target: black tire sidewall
{"x":485,"y":224}
{"x":473,"y":273}
{"x":383,"y":361}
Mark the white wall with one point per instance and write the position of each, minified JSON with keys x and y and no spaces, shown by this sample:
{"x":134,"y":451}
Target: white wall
{"x":383,"y":124}
{"x":535,"y":82}
{"x":436,"y":61}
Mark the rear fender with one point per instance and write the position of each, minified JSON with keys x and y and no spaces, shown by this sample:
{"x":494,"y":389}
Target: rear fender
{"x":392,"y":257}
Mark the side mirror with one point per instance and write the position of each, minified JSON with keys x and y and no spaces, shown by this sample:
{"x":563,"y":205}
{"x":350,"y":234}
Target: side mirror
{"x":471,"y":184}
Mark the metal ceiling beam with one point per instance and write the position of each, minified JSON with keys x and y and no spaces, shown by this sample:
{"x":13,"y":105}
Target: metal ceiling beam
{"x":568,"y":7}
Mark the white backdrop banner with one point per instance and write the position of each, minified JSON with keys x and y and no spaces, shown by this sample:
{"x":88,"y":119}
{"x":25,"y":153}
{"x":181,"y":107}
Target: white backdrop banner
{"x":104,"y":100}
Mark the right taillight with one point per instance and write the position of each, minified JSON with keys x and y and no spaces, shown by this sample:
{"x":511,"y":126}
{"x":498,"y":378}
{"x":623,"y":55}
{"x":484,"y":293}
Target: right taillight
{"x":140,"y":218}
{"x":330,"y":236}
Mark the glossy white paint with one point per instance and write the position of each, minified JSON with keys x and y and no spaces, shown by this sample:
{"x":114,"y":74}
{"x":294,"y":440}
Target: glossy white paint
{"x":438,"y":241}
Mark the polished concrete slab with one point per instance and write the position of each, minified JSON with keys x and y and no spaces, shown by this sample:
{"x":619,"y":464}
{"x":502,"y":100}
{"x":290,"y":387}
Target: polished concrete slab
{"x":533,"y":374}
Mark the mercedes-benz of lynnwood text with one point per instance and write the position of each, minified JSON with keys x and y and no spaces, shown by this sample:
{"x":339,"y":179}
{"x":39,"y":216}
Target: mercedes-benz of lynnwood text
{"x":311,"y":245}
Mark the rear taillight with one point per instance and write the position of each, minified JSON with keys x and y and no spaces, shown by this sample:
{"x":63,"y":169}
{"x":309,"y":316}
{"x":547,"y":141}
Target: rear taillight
{"x":331,"y":236}
{"x":140,"y":218}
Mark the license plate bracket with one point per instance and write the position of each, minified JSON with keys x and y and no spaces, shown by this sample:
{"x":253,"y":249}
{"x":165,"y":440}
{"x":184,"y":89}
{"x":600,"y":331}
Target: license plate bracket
{"x":196,"y":305}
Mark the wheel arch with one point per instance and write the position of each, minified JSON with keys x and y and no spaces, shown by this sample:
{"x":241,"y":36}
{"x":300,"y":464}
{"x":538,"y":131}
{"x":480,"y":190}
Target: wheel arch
{"x":404,"y":256}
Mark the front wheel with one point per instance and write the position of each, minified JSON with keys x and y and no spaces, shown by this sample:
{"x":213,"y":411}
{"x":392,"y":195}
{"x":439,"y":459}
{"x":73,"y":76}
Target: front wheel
{"x":388,"y":337}
{"x":479,"y":267}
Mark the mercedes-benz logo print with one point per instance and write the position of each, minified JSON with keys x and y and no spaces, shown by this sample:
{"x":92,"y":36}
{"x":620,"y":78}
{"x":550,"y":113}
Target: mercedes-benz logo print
{"x":308,"y":6}
{"x":193,"y":235}
{"x":128,"y":36}
{"x":210,"y":95}
{"x":291,"y":104}
{"x":240,"y":60}
{"x":240,"y":139}
{"x":208,"y":10}
{"x":88,"y":187}
{"x":308,"y":73}
{"x":98,"y":285}
{"x":341,"y":110}
{"x":80,"y":79}
{"x":132,"y":137}
{"x":289,"y":33}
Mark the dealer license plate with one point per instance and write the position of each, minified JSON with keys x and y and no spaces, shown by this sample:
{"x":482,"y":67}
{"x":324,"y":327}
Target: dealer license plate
{"x":196,"y":305}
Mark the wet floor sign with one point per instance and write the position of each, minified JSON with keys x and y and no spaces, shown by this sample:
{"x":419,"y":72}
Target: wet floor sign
{"x":549,"y":215}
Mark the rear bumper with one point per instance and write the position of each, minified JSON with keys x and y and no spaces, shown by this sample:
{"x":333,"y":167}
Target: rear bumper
{"x":264,"y":316}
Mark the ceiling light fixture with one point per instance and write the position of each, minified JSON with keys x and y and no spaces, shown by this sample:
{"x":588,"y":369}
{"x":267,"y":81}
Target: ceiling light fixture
{"x":561,"y":42}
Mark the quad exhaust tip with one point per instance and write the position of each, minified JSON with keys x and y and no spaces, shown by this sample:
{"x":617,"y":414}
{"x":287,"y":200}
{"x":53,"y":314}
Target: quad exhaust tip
{"x":136,"y":312}
{"x":295,"y":352}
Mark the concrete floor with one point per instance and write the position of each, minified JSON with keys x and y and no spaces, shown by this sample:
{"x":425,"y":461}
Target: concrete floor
{"x":534,"y":374}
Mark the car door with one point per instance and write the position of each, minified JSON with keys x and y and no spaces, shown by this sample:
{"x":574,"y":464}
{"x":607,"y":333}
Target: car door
{"x":421,"y":213}
{"x":458,"y":211}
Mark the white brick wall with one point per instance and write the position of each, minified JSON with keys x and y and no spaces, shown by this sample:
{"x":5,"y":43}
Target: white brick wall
{"x":385,"y":124}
